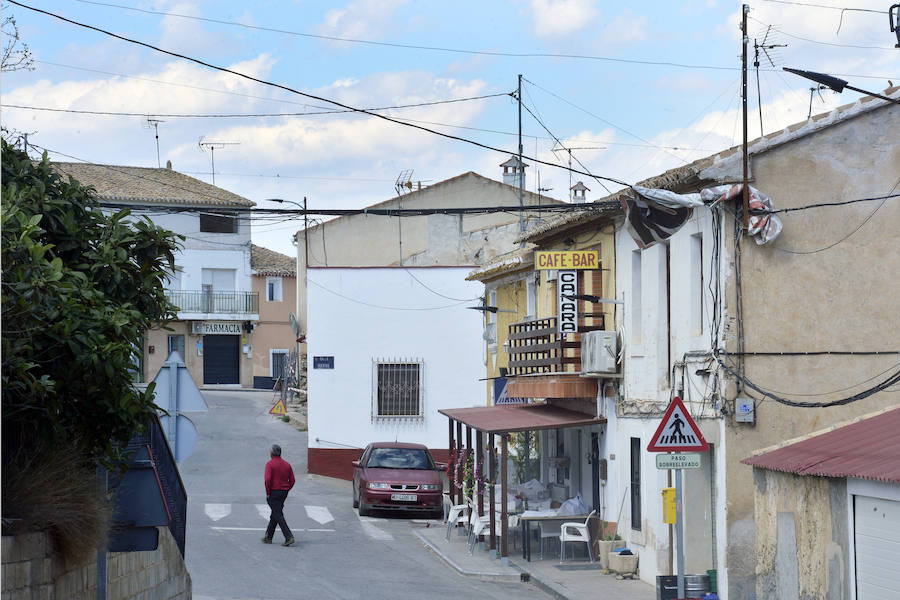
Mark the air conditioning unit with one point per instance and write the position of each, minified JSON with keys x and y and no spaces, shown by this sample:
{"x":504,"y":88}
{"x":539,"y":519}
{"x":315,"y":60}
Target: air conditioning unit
{"x":197,"y":327}
{"x":598,"y":352}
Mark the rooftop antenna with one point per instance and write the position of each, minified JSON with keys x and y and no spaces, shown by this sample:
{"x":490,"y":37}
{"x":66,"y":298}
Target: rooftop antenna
{"x":212,"y":150}
{"x":569,"y":150}
{"x":404,"y":180}
{"x":765,"y":48}
{"x":812,"y":91}
{"x":154,"y":123}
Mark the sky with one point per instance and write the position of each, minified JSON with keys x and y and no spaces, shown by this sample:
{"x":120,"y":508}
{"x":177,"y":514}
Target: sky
{"x":628,"y":89}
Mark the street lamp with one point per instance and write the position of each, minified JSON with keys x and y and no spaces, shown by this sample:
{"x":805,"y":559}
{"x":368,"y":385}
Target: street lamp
{"x":835,"y":84}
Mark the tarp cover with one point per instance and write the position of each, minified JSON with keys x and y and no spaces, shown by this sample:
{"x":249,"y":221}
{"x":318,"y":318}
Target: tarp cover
{"x":653,"y":215}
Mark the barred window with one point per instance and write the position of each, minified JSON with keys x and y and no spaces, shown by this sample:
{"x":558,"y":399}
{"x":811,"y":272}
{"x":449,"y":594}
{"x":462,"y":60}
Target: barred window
{"x":398,"y":388}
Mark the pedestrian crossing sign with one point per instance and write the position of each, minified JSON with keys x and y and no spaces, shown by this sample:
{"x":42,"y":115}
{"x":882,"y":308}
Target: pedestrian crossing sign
{"x":677,"y":432}
{"x":279,"y":408}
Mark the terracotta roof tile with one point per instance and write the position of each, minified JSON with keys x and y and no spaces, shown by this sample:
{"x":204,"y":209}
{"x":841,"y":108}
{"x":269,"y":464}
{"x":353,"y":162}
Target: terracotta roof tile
{"x":268,"y":262}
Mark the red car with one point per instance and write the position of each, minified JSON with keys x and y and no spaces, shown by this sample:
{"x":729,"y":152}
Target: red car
{"x":397,"y":476}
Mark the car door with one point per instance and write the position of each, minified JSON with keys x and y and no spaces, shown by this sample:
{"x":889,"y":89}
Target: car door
{"x":357,"y":469}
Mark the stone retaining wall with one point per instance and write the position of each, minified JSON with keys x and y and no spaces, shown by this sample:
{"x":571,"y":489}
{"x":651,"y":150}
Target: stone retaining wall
{"x":30,"y":571}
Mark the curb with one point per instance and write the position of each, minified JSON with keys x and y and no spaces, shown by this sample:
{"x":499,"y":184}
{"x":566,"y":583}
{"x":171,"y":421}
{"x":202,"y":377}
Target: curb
{"x":547,"y":588}
{"x":484,"y":575}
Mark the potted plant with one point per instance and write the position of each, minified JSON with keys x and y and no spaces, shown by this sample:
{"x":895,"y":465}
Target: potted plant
{"x":607,"y":541}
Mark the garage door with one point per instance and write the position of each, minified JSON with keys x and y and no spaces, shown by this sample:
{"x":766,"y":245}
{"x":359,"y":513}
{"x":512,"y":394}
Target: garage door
{"x":221,"y":359}
{"x":877,"y":539}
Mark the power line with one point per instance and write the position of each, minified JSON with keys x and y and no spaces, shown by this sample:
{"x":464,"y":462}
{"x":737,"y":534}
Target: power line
{"x":822,"y":205}
{"x":797,"y":37}
{"x":297,"y":92}
{"x":246,"y":115}
{"x":810,"y":5}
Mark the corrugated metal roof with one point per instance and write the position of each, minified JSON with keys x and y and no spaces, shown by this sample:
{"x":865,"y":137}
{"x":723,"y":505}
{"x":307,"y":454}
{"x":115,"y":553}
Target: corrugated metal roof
{"x":116,"y":183}
{"x":868,"y":448}
{"x":507,"y":418}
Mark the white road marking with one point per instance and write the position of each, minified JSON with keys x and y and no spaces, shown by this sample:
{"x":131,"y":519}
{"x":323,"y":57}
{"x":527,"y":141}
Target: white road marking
{"x":369,"y":528}
{"x":263,"y":529}
{"x":319,"y":514}
{"x":328,"y":530}
{"x":264,"y":511}
{"x":217,"y":511}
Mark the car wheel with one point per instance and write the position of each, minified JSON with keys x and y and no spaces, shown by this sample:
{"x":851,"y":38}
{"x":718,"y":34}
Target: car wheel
{"x":355,"y":499}
{"x":364,"y":509}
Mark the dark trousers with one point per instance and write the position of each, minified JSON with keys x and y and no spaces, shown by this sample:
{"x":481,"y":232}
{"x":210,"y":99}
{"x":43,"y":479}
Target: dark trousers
{"x":276,"y":503}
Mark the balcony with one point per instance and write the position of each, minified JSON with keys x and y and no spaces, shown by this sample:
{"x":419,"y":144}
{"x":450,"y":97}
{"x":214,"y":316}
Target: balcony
{"x":219,"y":303}
{"x":536,"y":347}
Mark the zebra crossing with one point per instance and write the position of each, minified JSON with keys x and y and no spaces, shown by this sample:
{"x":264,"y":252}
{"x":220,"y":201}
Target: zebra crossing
{"x":239,"y":517}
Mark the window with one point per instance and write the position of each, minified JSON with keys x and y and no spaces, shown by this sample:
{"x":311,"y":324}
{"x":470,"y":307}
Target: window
{"x":278,"y":363}
{"x":636,"y":483}
{"x":210,"y":223}
{"x":218,"y":280}
{"x":273,"y":289}
{"x":398,"y":388}
{"x":636,"y":317}
{"x":176,"y":344}
{"x":696,"y":289}
{"x":530,"y":299}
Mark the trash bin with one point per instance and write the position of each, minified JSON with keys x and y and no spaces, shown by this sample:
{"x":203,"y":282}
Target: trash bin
{"x":695,"y":586}
{"x":713,"y":581}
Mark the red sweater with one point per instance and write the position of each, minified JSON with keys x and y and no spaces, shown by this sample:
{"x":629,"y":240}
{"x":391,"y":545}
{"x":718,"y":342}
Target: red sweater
{"x":279,"y":475}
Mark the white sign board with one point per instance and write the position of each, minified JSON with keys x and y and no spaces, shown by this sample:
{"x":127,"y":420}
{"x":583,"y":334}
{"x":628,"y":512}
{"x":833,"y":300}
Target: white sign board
{"x":678,"y":461}
{"x":567,"y":285}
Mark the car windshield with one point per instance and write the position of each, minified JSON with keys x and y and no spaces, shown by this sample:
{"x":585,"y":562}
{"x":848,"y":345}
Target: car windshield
{"x":399,"y":458}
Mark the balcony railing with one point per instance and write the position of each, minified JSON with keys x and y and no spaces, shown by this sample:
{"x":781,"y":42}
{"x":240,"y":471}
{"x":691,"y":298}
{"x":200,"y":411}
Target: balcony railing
{"x":215,"y":302}
{"x":538,"y":347}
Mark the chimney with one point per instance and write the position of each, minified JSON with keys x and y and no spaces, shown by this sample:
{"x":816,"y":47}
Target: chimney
{"x":169,"y":165}
{"x":578,"y":191}
{"x":512,"y":172}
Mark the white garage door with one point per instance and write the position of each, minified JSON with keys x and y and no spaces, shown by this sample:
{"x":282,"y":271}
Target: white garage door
{"x":877,"y":539}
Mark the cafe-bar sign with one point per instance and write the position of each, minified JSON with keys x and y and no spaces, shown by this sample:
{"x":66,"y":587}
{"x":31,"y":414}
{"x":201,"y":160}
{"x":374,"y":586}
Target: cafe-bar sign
{"x":566,"y":259}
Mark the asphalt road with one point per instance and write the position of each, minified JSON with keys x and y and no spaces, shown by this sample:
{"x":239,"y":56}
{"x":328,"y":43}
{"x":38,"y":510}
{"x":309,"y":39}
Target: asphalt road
{"x":337,"y":554}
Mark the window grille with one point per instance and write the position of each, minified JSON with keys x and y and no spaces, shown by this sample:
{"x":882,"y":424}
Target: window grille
{"x":398,"y":389}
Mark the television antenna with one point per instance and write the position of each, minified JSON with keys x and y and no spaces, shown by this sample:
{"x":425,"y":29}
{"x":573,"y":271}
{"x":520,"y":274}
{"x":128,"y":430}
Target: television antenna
{"x":154,"y":123}
{"x":554,"y":150}
{"x":765,"y":48}
{"x":213,"y":146}
{"x":404,"y":180}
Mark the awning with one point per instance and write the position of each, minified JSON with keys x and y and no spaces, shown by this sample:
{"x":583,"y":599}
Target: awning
{"x":508,"y":418}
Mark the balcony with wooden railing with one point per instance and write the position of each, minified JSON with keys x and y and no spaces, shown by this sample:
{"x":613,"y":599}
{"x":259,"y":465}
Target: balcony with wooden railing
{"x":537,"y":347}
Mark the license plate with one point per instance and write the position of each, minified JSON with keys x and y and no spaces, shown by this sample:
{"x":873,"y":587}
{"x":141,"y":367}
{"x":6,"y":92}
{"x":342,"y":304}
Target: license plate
{"x":404,"y":497}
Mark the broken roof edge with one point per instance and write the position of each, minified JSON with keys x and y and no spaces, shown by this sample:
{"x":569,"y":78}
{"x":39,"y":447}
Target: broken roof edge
{"x":520,"y":258}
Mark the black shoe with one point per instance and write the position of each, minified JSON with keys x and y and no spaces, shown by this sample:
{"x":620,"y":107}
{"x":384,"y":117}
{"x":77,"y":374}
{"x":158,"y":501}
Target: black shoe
{"x":266,"y":540}
{"x":287,"y":542}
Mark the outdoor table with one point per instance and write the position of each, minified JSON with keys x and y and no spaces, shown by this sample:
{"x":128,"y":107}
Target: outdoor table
{"x":538,"y":516}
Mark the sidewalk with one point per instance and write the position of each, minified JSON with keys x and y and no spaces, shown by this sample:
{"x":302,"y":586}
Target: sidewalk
{"x":572,"y":580}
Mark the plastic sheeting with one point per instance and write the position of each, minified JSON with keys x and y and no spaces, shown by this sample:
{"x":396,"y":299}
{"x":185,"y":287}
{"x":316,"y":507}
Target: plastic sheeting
{"x":654,"y":215}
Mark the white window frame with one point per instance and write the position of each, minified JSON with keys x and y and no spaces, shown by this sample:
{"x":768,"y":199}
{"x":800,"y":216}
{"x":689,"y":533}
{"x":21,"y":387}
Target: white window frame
{"x":419,"y":413}
{"x":272,"y":352}
{"x":637,"y":325}
{"x":277,"y":283}
{"x":530,"y":299}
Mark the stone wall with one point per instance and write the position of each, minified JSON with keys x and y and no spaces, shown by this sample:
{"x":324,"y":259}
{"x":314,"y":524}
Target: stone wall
{"x":802,"y":540}
{"x":31,"y":571}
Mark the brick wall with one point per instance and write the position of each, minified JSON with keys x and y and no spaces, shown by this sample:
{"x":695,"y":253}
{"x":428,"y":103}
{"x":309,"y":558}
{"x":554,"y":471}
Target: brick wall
{"x":31,"y":571}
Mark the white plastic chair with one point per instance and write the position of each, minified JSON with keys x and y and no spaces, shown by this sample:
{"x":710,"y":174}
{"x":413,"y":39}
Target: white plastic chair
{"x":549,"y":530}
{"x":482,"y":526}
{"x":456,"y":513}
{"x":576,"y":532}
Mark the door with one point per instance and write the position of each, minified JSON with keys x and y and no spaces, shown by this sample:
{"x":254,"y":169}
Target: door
{"x":877,"y":539}
{"x":221,"y":359}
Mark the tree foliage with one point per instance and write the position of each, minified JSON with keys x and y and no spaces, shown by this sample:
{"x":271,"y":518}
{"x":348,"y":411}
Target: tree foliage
{"x":79,"y":289}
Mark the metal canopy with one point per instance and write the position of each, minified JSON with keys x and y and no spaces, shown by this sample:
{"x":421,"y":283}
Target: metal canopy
{"x":519,"y":417}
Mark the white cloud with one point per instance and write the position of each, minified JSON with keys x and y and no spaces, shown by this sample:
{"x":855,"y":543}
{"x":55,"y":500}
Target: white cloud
{"x":562,"y":17}
{"x":363,"y":19}
{"x":189,"y":36}
{"x":625,"y":28}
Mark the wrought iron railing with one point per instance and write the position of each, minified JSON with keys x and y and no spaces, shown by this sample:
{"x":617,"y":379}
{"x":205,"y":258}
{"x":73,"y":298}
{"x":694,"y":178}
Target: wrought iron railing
{"x":215,"y":302}
{"x":538,"y":347}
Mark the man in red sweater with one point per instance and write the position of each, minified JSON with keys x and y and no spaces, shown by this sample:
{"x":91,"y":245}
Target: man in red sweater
{"x":279,"y":481}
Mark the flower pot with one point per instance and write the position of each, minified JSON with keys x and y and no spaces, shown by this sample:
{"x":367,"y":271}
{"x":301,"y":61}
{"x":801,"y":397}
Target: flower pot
{"x":622,"y":563}
{"x":602,"y":548}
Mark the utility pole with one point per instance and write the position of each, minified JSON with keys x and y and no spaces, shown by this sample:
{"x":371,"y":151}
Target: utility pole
{"x":745,"y":192}
{"x":520,"y":167}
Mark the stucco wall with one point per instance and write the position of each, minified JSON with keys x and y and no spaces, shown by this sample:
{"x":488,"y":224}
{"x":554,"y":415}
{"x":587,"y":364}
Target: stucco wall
{"x":273,"y":330}
{"x":821,"y":286}
{"x":802,"y":543}
{"x":30,"y":570}
{"x":373,"y":313}
{"x":158,"y":338}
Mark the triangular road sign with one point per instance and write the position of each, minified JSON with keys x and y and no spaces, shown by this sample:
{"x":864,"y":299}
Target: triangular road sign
{"x":279,"y":408}
{"x":677,"y":432}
